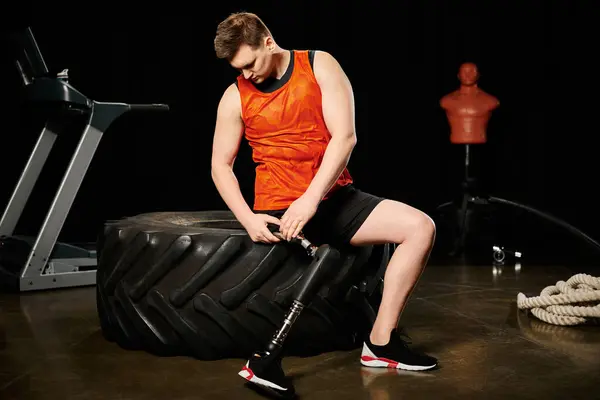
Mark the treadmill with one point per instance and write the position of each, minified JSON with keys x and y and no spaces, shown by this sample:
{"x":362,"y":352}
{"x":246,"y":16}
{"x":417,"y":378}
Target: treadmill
{"x":30,"y":263}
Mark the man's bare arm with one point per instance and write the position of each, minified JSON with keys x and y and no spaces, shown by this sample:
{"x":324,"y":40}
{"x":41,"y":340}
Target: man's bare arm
{"x":228,"y":135}
{"x":338,"y":111}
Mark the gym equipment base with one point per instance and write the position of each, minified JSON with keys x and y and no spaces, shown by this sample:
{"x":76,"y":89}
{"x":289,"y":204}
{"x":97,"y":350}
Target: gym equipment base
{"x":459,"y":243}
{"x":33,"y":263}
{"x":68,"y":266}
{"x":468,"y":198}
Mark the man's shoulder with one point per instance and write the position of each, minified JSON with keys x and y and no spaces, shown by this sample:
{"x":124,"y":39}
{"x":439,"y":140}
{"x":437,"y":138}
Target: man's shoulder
{"x":326,"y":66}
{"x":309,"y":53}
{"x":230,"y":98}
{"x":315,"y":56}
{"x":232,"y":89}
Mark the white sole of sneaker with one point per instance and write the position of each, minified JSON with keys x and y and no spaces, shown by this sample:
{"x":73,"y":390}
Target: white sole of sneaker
{"x":248,"y":375}
{"x":368,"y":359}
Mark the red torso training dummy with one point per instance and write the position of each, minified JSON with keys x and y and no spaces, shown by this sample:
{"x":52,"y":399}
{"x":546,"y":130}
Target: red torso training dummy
{"x":468,"y":108}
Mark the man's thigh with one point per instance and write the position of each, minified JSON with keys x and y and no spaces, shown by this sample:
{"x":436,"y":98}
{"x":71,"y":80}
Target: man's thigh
{"x":393,"y":222}
{"x":339,"y":217}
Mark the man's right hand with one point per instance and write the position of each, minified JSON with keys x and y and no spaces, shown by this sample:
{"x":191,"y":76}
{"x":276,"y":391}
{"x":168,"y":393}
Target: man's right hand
{"x":256,"y":226}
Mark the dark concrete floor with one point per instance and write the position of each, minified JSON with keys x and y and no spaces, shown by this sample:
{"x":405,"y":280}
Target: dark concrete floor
{"x":51,"y":348}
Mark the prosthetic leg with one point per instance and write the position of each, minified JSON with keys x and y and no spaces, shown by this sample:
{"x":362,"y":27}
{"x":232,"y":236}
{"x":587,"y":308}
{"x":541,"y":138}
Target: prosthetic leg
{"x":264,"y":367}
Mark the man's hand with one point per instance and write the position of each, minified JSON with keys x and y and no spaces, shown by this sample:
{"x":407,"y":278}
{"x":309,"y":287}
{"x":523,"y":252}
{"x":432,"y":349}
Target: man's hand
{"x":256,"y":226}
{"x":297,"y":215}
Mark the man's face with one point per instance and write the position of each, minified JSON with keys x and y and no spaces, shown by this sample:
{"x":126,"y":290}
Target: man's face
{"x":254,"y":64}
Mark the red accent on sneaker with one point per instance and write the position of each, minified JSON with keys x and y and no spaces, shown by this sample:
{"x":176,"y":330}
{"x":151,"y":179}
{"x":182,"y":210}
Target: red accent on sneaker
{"x":249,"y":372}
{"x":391,"y":363}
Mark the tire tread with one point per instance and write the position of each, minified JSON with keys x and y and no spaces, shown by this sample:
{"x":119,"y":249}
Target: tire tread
{"x":195,"y":284}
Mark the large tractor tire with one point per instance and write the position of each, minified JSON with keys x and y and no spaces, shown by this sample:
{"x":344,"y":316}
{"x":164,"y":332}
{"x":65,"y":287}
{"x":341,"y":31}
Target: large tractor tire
{"x":195,"y":284}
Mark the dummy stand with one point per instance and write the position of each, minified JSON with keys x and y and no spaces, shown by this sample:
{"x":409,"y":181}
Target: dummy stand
{"x":469,"y":199}
{"x":41,"y":262}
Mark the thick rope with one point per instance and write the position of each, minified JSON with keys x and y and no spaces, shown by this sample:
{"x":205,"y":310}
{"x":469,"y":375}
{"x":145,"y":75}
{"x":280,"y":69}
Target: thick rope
{"x":574,"y":302}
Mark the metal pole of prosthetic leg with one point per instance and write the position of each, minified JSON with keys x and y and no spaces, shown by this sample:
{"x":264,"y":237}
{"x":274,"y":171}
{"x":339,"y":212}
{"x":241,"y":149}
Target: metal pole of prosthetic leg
{"x":323,"y":257}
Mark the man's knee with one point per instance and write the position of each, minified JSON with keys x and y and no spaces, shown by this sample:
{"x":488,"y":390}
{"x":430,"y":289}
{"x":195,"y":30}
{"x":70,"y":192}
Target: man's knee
{"x":423,"y":227}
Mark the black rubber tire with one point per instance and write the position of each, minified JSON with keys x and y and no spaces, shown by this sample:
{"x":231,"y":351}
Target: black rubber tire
{"x":194,"y":284}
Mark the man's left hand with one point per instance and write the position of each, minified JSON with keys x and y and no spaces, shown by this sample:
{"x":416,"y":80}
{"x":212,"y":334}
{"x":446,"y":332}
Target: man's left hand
{"x":297,"y":216}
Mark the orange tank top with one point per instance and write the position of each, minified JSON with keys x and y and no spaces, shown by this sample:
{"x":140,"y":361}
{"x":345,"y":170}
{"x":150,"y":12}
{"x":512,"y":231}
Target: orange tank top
{"x":285,"y":128}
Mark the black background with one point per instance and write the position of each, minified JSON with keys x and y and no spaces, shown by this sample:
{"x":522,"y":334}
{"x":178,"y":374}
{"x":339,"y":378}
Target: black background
{"x":536,"y":57}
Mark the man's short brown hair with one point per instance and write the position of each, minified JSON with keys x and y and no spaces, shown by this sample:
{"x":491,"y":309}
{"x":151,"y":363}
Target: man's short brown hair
{"x":236,"y":30}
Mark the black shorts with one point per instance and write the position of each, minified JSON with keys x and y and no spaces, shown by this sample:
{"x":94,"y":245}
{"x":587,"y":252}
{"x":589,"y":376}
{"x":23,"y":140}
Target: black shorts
{"x":338,"y":217}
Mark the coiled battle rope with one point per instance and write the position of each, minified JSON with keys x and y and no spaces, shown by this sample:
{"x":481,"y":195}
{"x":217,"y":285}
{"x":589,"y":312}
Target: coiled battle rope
{"x":574,"y":302}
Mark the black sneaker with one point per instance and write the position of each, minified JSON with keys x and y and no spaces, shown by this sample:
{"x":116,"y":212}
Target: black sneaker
{"x":395,"y":354}
{"x":264,"y":369}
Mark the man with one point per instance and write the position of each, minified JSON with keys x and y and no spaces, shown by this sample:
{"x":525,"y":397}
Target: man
{"x":296,"y":109}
